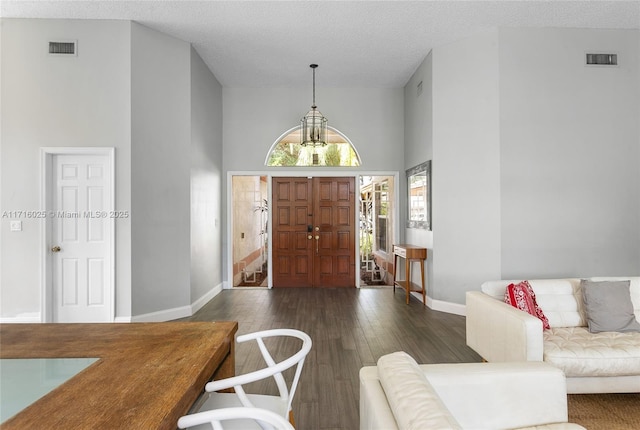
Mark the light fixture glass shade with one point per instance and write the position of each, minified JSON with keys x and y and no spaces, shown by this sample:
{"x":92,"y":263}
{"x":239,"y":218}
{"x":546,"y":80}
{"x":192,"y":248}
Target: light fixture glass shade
{"x":314,"y":129}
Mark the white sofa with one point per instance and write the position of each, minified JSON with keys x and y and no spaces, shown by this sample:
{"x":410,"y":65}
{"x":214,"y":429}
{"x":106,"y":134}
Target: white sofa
{"x":606,"y":362}
{"x":400,"y":394}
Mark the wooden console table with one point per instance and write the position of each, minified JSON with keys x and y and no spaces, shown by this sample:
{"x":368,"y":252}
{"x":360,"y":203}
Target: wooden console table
{"x":147,"y":375}
{"x":411,"y":254}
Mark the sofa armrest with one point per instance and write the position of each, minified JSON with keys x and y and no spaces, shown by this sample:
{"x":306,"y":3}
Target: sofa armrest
{"x":500,"y":332}
{"x":500,"y":395}
{"x":375,"y":412}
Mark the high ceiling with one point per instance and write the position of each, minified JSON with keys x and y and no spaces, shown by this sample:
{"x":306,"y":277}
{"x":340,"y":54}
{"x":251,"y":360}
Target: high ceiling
{"x":356,"y":43}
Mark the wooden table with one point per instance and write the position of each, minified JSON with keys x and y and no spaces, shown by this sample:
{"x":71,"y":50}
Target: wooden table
{"x":148,"y":374}
{"x":411,"y":254}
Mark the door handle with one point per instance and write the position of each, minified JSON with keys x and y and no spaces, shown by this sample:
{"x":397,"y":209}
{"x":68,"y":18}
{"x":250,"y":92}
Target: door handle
{"x":309,"y":237}
{"x":317,"y":241}
{"x":56,"y":249}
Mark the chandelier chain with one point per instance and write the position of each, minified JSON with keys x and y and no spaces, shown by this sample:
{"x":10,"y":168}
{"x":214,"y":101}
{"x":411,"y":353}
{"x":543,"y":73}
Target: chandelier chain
{"x":313,"y":67}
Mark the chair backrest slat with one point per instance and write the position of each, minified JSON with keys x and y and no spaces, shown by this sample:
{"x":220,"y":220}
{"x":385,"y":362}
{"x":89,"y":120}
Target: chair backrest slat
{"x":273,"y":369}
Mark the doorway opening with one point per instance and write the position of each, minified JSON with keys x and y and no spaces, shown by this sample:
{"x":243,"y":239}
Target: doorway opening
{"x":377,"y":219}
{"x":250,"y":235}
{"x":294,"y":230}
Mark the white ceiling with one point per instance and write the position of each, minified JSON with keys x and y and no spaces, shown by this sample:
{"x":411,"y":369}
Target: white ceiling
{"x":356,"y":43}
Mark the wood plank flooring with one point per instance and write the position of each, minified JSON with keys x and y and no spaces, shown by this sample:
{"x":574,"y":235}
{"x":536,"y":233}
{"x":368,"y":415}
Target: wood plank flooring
{"x":350,"y":328}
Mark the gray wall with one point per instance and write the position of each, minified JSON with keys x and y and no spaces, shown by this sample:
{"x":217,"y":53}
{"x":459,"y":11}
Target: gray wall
{"x":418,"y":141}
{"x":535,"y":160}
{"x":152,"y":98}
{"x":57,"y":102}
{"x":535,"y":157}
{"x":160,"y":170}
{"x":206,"y":179}
{"x":254,"y":118}
{"x":371,"y":117}
{"x":570,"y":150}
{"x":466,"y":166}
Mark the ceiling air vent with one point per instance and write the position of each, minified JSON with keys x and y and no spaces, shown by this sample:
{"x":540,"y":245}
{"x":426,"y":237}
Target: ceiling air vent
{"x":63,"y":48}
{"x":602,"y":59}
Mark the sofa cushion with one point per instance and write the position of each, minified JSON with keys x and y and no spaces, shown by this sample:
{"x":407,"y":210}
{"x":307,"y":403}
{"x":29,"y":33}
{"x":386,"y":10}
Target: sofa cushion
{"x":580,"y":353}
{"x":557,"y":297}
{"x":521,"y":296}
{"x":634,"y":290}
{"x":608,"y":306}
{"x":413,"y":401}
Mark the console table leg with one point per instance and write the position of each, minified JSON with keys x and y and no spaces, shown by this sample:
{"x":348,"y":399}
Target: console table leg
{"x":424,"y":303}
{"x":407,"y":265}
{"x":395,"y":271}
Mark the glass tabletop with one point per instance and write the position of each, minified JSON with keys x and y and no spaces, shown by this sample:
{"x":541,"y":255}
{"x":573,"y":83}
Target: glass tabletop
{"x":25,"y":380}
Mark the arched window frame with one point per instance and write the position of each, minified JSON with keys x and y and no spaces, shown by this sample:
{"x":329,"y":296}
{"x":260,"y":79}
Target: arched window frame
{"x":297,"y":128}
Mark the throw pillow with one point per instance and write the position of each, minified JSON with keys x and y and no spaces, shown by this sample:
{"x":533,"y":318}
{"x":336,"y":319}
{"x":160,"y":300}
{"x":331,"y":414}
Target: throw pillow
{"x":521,"y":296}
{"x":608,"y":306}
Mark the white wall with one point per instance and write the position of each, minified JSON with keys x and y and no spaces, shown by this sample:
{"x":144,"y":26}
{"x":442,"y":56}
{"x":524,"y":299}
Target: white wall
{"x":253,"y":118}
{"x":206,"y":179}
{"x":570,"y":146}
{"x":160,"y":171}
{"x":58,"y":101}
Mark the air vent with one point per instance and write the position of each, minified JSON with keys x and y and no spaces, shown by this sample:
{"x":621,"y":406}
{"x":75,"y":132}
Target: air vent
{"x":62,"y":48}
{"x":602,"y":59}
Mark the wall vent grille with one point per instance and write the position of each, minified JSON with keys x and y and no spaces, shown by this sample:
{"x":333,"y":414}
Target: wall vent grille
{"x":602,"y":59}
{"x":62,"y":48}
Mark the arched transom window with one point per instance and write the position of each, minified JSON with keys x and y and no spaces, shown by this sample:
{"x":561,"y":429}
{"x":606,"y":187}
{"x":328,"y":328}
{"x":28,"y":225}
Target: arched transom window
{"x":287,"y":151}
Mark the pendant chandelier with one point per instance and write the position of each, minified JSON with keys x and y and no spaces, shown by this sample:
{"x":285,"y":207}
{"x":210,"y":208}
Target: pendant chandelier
{"x":314,"y":125}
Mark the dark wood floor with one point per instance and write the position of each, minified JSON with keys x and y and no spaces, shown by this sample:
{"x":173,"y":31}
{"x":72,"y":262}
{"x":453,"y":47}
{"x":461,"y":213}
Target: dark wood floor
{"x":350,"y":328}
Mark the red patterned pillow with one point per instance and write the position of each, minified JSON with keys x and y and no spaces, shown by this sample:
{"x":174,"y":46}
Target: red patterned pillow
{"x":521,"y":296}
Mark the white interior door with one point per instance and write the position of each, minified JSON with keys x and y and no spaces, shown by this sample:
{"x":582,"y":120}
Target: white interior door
{"x":81,"y":236}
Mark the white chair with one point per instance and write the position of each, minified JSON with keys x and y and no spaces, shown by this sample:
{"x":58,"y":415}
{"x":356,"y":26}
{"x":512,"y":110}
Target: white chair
{"x":242,"y":416}
{"x":281,"y":404}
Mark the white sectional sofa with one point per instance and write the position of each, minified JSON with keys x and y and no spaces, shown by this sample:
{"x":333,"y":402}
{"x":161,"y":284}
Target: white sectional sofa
{"x":400,"y":394}
{"x":603,"y":362}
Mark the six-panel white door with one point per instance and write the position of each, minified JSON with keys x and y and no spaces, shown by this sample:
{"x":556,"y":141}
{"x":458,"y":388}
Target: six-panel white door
{"x":81,"y":238}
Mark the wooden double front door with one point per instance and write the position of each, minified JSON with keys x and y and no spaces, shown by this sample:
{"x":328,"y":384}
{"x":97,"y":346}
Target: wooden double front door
{"x":313,"y":232}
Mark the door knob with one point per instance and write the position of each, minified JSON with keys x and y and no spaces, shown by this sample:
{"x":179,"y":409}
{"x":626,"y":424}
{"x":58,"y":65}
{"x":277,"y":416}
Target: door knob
{"x":56,"y":249}
{"x":309,"y":237}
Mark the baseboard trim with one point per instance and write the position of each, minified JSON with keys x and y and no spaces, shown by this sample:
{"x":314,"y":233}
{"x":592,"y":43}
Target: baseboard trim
{"x":187,"y":311}
{"x":29,"y":318}
{"x":448,"y":307}
{"x":442,"y":306}
{"x":198,"y":304}
{"x":180,"y":312}
{"x":164,"y":315}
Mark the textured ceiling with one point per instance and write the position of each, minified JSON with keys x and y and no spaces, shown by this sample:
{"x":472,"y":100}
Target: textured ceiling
{"x":356,"y":43}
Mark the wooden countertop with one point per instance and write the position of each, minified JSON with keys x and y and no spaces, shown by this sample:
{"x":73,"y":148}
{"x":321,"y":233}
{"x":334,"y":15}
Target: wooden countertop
{"x":147,"y":375}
